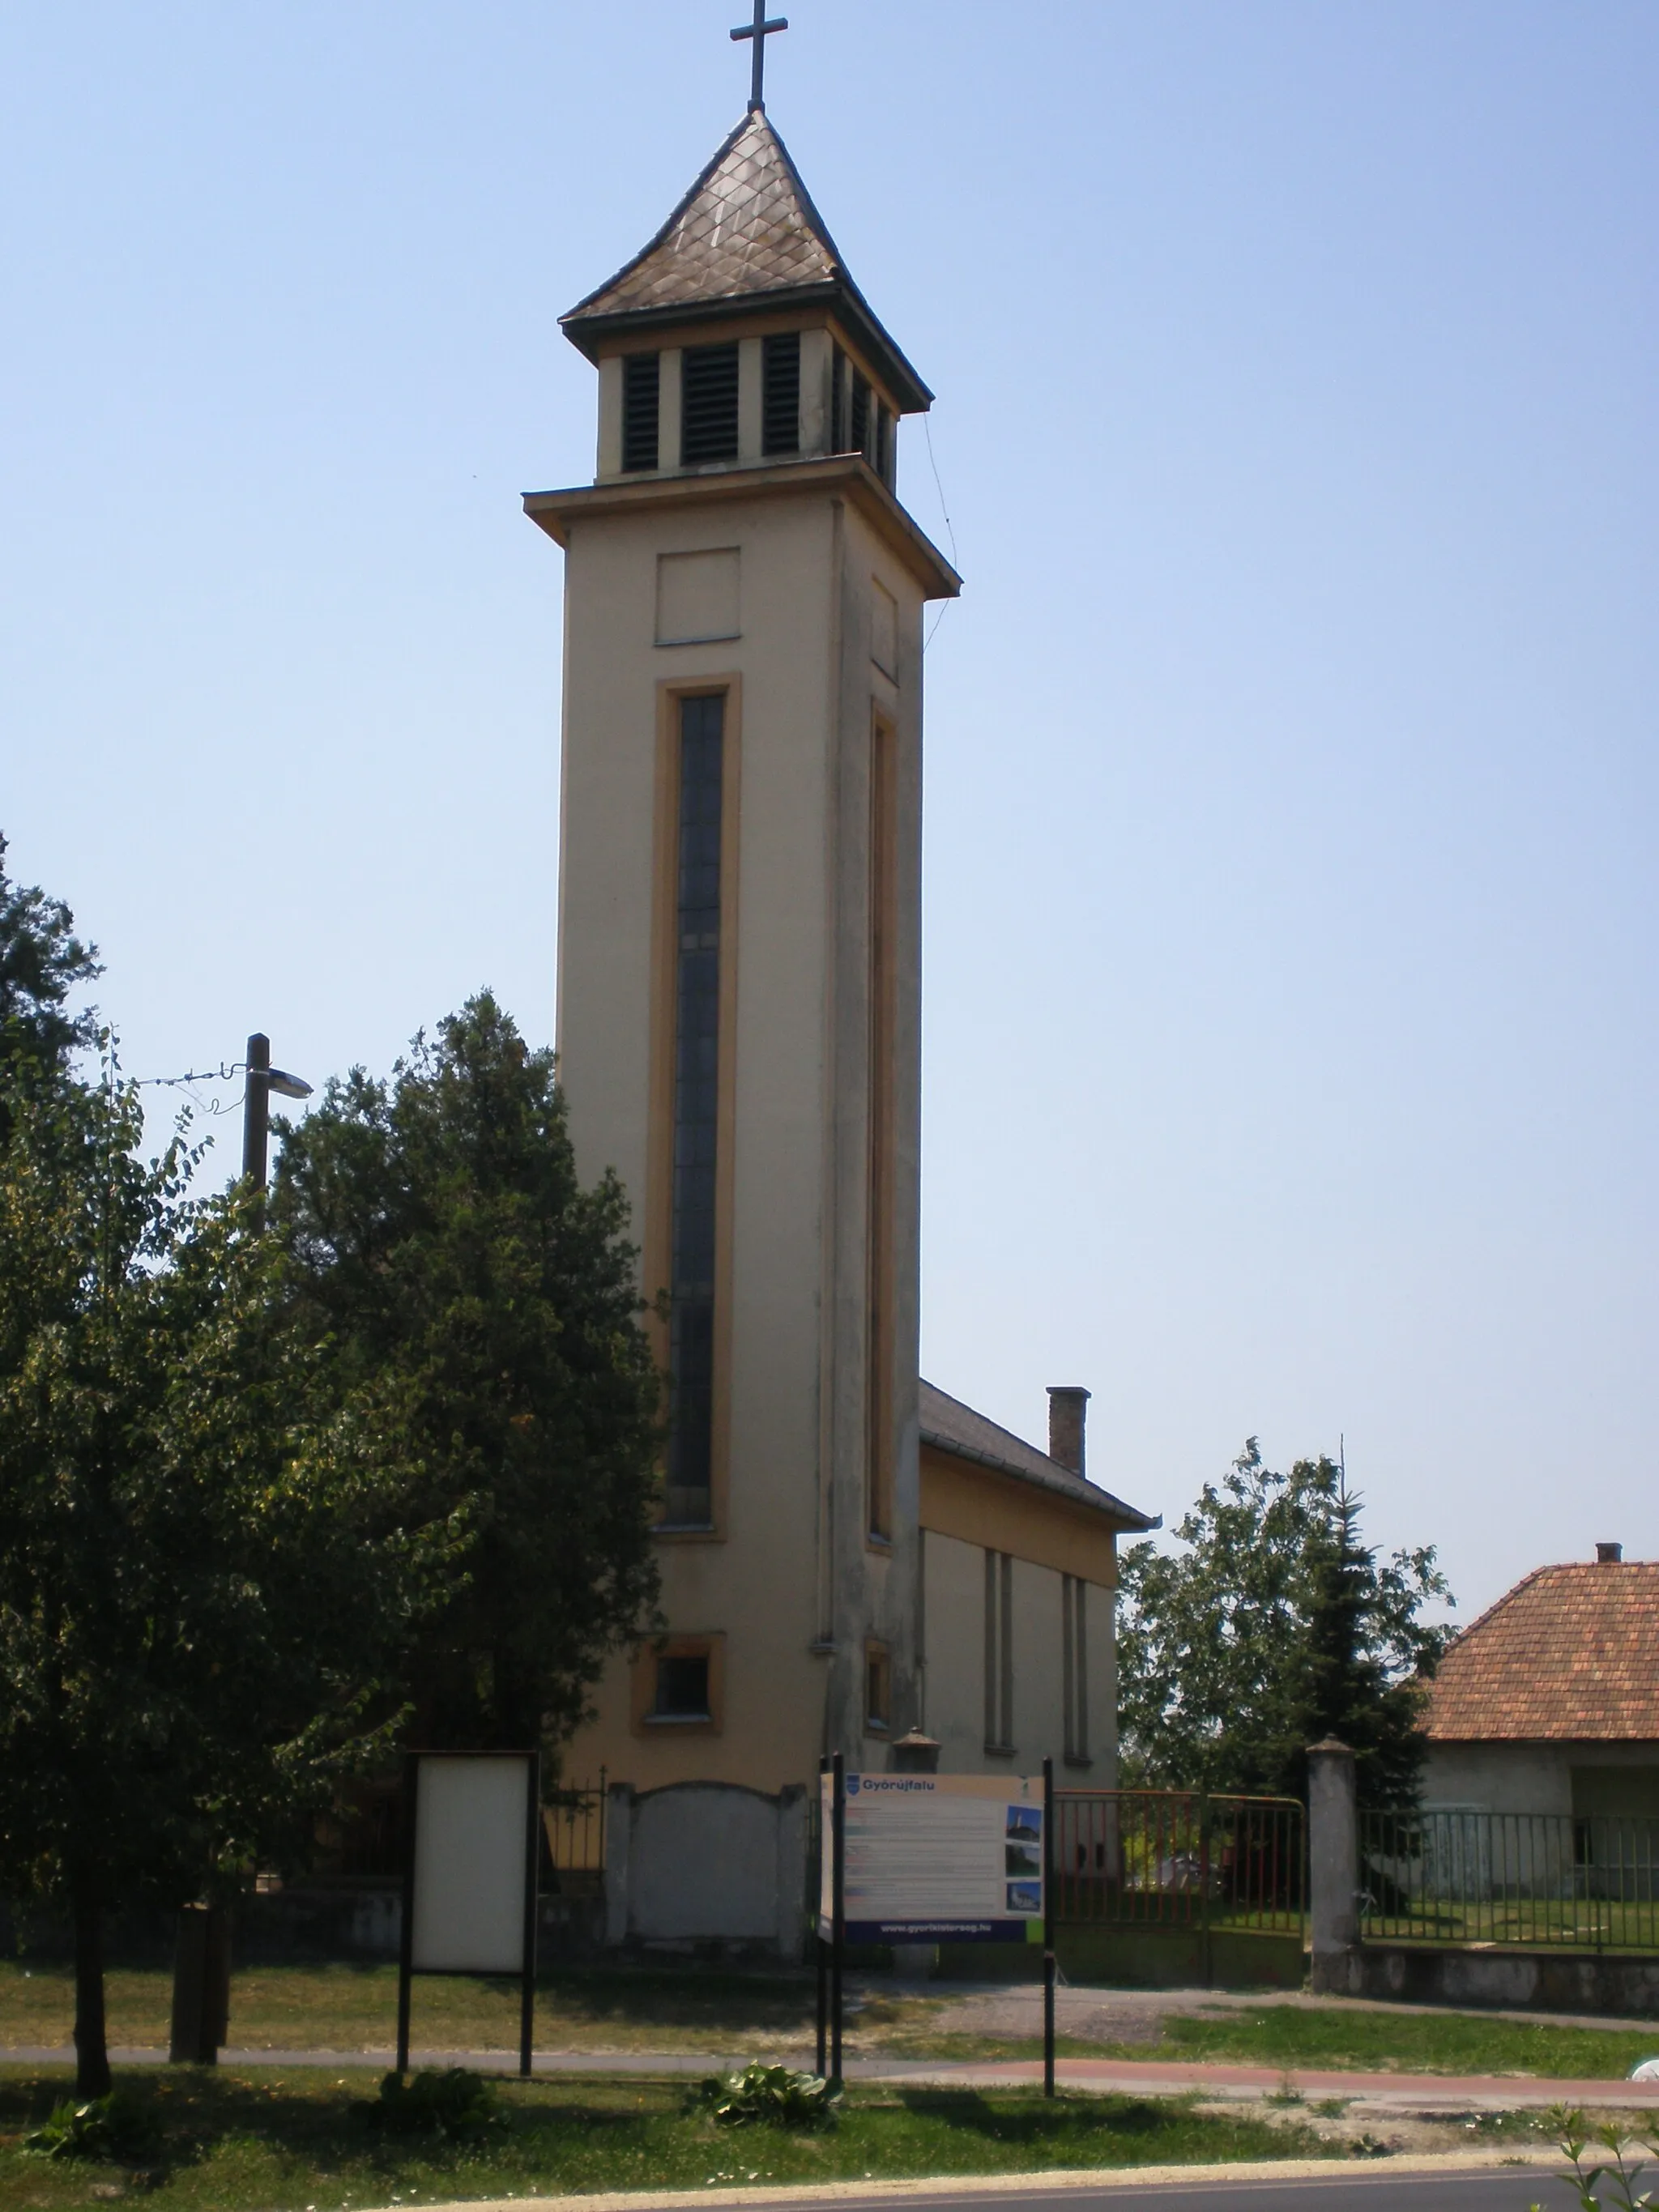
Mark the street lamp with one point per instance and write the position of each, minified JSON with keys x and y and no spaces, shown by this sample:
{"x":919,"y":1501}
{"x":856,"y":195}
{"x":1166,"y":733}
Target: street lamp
{"x":201,"y":1966}
{"x":262,"y":1079}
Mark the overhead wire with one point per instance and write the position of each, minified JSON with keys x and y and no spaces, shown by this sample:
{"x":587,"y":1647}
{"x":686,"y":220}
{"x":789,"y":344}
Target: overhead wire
{"x":949,"y":529}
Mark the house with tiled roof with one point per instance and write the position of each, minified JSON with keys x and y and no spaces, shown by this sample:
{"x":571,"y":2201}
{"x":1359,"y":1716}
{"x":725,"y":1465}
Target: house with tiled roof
{"x":1549,"y":1702}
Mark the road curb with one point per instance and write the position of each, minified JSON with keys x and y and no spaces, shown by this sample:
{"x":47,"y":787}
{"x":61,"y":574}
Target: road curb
{"x":1046,"y":2181}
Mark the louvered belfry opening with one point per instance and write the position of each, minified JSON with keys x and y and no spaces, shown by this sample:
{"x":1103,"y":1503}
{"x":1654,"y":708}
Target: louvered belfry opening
{"x":883,"y":460}
{"x":780,"y":393}
{"x":708,"y":391}
{"x":858,"y":429}
{"x":641,"y":383}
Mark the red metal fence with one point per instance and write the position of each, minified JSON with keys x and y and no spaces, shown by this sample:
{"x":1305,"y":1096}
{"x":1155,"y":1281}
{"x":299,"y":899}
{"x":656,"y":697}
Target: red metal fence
{"x":1176,"y":1858}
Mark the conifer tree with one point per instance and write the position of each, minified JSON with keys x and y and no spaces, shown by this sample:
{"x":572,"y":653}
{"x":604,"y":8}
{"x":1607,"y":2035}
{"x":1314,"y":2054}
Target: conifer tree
{"x":1274,"y":1627}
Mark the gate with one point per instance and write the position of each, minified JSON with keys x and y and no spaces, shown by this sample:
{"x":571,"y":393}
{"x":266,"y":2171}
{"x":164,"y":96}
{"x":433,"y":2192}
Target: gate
{"x":1166,"y":1885}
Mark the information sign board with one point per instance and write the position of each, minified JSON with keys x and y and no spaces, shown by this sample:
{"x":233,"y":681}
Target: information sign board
{"x":472,"y":1846}
{"x":472,"y":1842}
{"x":937,"y":1858}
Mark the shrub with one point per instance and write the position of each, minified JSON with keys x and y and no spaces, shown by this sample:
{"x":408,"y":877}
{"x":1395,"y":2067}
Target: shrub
{"x":1568,"y":2125}
{"x":116,"y":2128}
{"x":459,"y":2105}
{"x":771,"y":2094}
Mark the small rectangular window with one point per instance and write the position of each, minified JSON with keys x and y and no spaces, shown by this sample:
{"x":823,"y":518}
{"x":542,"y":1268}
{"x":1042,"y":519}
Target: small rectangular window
{"x":679,"y":1683}
{"x":642,"y":382}
{"x":780,"y":393}
{"x":682,"y":1686}
{"x":708,"y":399}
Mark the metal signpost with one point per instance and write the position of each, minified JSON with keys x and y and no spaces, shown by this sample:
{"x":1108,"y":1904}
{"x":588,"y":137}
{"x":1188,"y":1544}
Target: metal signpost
{"x":954,"y":1858}
{"x":471,"y":1855}
{"x":1049,"y":1869}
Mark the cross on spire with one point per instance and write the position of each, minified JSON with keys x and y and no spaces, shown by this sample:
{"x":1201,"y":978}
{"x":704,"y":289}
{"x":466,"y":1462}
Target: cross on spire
{"x":760,"y":31}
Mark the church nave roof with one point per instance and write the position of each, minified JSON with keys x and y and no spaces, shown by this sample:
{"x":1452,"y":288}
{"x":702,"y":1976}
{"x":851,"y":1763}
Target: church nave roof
{"x":950,"y":1426}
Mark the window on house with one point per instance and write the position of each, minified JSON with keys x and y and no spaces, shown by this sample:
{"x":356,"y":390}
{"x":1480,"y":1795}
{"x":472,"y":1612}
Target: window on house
{"x":780,"y":393}
{"x":998,"y":1652}
{"x":877,"y":1687}
{"x":708,"y":402}
{"x":641,"y":383}
{"x":682,"y":1686}
{"x":689,"y":1500}
{"x":1074,"y":1667}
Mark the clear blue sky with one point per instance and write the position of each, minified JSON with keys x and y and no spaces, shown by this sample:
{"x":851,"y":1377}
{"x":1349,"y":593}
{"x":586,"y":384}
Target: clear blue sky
{"x":1291,"y":1051}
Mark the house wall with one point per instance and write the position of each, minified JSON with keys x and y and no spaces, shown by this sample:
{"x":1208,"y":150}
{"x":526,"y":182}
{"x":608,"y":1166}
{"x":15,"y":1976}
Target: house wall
{"x":1520,"y":1777}
{"x":954,"y":1638}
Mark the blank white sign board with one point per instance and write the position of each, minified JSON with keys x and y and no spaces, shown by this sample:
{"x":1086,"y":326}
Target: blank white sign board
{"x":471,"y":1834}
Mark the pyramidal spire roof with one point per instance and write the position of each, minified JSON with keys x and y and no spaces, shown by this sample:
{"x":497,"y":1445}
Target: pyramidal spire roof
{"x":745,"y":234}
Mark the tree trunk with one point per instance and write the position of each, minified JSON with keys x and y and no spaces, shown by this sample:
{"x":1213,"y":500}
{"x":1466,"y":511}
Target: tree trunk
{"x":91,"y":2043}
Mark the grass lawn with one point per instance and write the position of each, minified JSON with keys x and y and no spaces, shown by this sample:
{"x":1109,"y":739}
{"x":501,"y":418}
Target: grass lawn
{"x":1289,"y":2037}
{"x":270,"y":2140}
{"x":355,"y":2008}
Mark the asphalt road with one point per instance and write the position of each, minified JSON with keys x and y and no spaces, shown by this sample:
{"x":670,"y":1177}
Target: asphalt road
{"x":1369,"y":2191}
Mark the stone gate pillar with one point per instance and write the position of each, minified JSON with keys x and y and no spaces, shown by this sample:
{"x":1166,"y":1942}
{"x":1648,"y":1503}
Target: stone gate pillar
{"x":1333,"y":1865}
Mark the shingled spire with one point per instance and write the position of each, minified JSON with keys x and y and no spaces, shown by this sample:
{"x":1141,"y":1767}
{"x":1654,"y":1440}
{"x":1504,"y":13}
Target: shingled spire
{"x":746,"y":235}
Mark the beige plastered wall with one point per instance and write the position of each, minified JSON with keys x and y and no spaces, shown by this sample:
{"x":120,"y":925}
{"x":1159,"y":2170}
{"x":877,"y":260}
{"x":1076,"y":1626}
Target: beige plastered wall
{"x":792,"y":1585}
{"x":954,"y":1616}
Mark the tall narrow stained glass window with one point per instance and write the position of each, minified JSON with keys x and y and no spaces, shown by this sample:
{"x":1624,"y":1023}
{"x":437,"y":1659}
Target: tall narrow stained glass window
{"x":878,"y":1396}
{"x":690,"y":1502}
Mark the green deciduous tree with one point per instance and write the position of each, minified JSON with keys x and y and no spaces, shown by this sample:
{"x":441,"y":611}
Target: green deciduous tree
{"x":41,"y":963}
{"x":207,"y":1567}
{"x":447,"y":1248}
{"x":1274,"y":1627}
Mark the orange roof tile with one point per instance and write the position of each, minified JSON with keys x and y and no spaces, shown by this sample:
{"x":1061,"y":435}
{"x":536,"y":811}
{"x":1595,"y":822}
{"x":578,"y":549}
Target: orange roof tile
{"x":1571,"y":1654}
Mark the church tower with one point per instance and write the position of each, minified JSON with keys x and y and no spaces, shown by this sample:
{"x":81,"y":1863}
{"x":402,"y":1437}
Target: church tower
{"x":739,"y":1028}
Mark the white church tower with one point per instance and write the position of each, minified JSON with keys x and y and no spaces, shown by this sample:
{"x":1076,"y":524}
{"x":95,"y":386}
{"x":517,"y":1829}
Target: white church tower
{"x":739,"y":962}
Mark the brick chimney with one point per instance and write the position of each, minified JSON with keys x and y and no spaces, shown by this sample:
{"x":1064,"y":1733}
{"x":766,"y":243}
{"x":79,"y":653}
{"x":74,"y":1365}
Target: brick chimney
{"x":1609,"y":1555}
{"x":1068,"y":1409}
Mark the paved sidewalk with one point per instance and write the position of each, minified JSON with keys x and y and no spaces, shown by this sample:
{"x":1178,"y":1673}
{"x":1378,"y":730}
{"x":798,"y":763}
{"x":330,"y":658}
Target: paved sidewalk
{"x":1373,"y":2092}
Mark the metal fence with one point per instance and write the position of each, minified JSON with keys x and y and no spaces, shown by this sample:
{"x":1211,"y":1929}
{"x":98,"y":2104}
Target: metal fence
{"x":1172,"y":1858}
{"x":1532,"y":1878}
{"x":574,"y":1818}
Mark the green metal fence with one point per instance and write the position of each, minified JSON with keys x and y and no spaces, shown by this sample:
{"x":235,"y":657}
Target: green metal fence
{"x":1181,"y":1859}
{"x":574,"y":1818}
{"x":1524,"y":1878}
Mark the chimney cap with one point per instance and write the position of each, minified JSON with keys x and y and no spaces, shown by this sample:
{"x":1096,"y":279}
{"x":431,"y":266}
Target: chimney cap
{"x":1609,"y":1555}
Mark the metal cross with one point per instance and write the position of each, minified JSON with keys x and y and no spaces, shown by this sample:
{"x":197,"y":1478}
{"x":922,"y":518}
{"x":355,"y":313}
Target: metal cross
{"x":760,"y":30}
